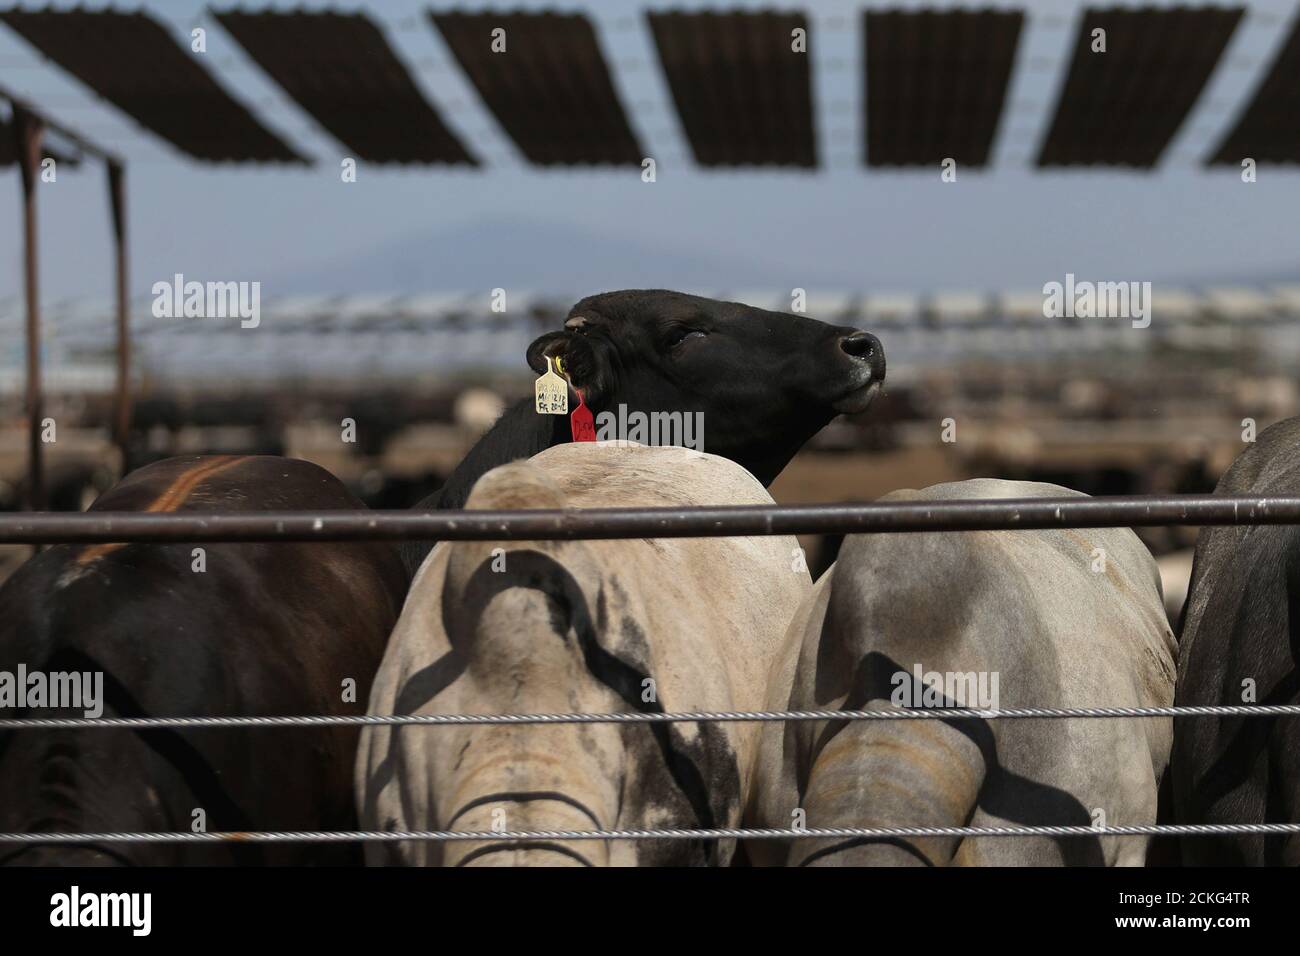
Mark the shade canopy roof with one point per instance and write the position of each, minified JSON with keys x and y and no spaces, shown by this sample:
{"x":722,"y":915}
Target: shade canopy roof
{"x":935,"y":84}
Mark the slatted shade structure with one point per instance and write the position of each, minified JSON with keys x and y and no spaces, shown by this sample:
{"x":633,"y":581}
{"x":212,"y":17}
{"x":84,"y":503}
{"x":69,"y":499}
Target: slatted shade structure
{"x":1268,"y":130}
{"x":550,"y":90}
{"x":936,"y":81}
{"x":340,"y":69}
{"x":132,"y":61}
{"x":1122,"y":107}
{"x":742,"y":91}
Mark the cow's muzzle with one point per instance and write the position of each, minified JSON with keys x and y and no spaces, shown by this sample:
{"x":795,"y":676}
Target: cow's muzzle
{"x":867,"y":371}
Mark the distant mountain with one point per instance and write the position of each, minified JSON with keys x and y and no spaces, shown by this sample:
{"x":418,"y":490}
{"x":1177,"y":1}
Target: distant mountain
{"x":541,"y":257}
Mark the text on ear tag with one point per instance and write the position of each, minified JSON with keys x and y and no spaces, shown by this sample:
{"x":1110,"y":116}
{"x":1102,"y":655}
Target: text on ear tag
{"x":551,"y":392}
{"x":581,"y":424}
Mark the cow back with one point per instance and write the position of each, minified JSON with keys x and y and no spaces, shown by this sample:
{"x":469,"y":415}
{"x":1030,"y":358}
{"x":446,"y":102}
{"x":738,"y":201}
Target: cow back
{"x":190,"y":630}
{"x":583,"y":626}
{"x":1052,"y":618}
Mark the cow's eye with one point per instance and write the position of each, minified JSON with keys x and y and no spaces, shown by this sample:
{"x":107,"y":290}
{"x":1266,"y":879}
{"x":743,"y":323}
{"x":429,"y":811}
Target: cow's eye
{"x":678,"y":336}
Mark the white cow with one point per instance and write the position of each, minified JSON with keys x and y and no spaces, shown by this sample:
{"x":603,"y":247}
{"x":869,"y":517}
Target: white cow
{"x":1058,"y":618}
{"x":595,"y":626}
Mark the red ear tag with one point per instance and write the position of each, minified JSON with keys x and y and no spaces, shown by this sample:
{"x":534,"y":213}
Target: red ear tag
{"x":581,"y":423}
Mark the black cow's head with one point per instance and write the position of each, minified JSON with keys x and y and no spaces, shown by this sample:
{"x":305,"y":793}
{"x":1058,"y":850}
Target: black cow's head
{"x":765,"y":382}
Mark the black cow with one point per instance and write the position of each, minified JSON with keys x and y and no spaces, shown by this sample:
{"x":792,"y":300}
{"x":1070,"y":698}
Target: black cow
{"x":1241,"y":632}
{"x":262,"y":629}
{"x":765,"y":382}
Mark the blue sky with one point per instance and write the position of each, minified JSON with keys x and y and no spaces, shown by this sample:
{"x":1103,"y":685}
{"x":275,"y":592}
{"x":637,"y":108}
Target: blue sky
{"x":510,"y":225}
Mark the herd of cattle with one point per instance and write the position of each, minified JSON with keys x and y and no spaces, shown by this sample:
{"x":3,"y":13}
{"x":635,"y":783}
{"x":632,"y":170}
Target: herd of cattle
{"x":1056,"y":619}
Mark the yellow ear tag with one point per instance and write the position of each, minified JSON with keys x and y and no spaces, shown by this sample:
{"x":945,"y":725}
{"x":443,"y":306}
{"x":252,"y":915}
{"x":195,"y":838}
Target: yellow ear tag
{"x":551,"y":392}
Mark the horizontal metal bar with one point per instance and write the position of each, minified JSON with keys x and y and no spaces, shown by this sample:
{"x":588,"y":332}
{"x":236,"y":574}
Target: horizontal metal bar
{"x":765,"y":833}
{"x":572,"y":523}
{"x":637,"y":717}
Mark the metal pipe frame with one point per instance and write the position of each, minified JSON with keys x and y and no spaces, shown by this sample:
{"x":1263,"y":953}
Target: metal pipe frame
{"x":122,"y":396}
{"x":29,"y":131}
{"x":1008,"y":514}
{"x":29,"y":127}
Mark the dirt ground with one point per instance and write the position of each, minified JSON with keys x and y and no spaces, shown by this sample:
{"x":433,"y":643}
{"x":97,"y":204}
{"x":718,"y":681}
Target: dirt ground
{"x":826,"y":477}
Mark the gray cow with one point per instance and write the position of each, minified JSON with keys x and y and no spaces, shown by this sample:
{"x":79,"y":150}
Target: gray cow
{"x":1058,"y":618}
{"x":590,"y":626}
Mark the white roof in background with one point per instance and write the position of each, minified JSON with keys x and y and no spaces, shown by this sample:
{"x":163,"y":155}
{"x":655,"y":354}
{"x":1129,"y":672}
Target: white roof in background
{"x":365,"y":304}
{"x":891,"y":304}
{"x":430,"y":304}
{"x":1170,"y":301}
{"x":300,"y":306}
{"x":816,"y":304}
{"x":959,"y":306}
{"x":1288,"y":295}
{"x":1021,"y":305}
{"x":142,"y":317}
{"x":11,"y":315}
{"x":1238,"y":300}
{"x":829,"y":305}
{"x":81,"y":310}
{"x":518,"y":302}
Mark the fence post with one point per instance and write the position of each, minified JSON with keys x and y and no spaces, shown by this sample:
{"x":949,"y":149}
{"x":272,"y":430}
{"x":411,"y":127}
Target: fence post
{"x":122,"y":399}
{"x":28,"y":133}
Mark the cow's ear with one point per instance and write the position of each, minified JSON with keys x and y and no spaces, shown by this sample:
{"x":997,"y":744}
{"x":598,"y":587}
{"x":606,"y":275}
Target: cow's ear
{"x":586,"y":361}
{"x":551,"y":344}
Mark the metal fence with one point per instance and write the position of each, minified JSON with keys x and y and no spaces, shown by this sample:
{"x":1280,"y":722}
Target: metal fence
{"x":1011,"y":514}
{"x":611,"y":523}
